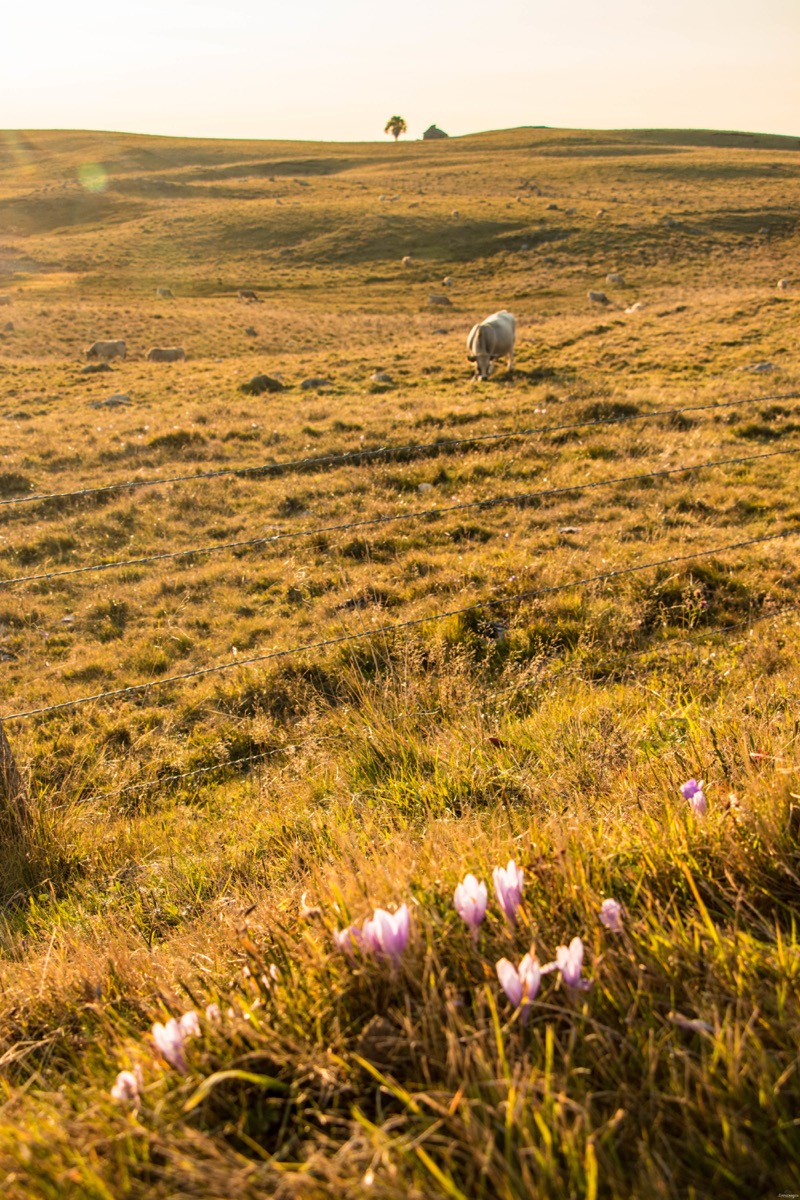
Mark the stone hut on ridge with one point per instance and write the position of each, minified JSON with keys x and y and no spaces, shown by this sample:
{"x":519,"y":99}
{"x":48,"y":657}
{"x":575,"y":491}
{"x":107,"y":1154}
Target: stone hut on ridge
{"x":432,"y":134}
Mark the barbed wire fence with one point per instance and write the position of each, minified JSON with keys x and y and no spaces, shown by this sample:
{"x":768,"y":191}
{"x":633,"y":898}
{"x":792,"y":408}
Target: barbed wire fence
{"x":11,"y":779}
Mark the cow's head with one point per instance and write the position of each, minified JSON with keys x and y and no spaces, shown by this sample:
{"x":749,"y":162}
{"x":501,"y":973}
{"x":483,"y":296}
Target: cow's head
{"x":482,"y":360}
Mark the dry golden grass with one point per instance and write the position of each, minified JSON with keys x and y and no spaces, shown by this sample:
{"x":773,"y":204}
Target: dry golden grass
{"x":175,"y":831}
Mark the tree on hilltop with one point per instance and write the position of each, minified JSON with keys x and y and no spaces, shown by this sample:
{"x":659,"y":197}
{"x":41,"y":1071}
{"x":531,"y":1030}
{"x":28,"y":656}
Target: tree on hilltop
{"x":395,"y":126}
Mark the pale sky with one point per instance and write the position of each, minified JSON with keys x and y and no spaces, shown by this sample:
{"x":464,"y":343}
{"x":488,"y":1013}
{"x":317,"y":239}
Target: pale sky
{"x":320,"y":69}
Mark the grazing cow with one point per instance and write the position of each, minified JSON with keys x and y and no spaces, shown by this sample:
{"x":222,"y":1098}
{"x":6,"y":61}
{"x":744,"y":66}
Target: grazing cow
{"x":492,"y":338}
{"x":166,"y":354}
{"x":783,"y":285}
{"x":106,"y":350}
{"x":164,"y":293}
{"x":248,"y":294}
{"x":407,"y":260}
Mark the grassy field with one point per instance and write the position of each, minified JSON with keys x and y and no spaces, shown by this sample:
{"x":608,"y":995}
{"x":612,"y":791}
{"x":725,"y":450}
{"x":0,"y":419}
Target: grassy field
{"x":505,"y":676}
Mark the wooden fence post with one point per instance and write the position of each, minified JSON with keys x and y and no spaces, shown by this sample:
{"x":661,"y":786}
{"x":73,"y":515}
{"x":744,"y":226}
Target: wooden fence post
{"x":14,"y":804}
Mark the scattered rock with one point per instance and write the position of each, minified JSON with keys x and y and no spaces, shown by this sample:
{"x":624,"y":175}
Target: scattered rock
{"x":261,"y":383}
{"x":570,"y":528}
{"x":119,"y":400}
{"x":551,"y":208}
{"x":764,"y":230}
{"x":455,"y":213}
{"x":447,"y":281}
{"x":8,"y":327}
{"x":251,"y":332}
{"x":669,"y":222}
{"x":762,"y":368}
{"x":637,"y":307}
{"x":439,"y":332}
{"x":598,"y":297}
{"x":5,"y":301}
{"x":570,"y":212}
{"x":601,"y":212}
{"x":7,"y":655}
{"x":95,"y":368}
{"x":381,"y":377}
{"x":164,"y":293}
{"x":440,"y":301}
{"x":316,"y":381}
{"x":525,"y":246}
{"x":614,"y":278}
{"x":424,"y":487}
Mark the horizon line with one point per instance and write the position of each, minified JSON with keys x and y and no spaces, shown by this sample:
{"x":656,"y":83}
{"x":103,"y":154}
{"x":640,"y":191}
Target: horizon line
{"x":408,"y":141}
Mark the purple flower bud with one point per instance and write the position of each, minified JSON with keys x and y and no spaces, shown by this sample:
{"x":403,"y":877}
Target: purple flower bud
{"x":692,"y":791}
{"x":611,"y":915}
{"x":569,"y":960}
{"x":169,"y":1040}
{"x":470,"y":900}
{"x":520,"y":984}
{"x":508,"y":889}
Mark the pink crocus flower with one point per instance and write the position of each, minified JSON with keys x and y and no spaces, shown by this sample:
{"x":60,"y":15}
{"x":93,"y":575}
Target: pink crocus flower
{"x":389,"y":931}
{"x":213,"y":1012}
{"x":126,"y":1086}
{"x":520,"y":984}
{"x":470,"y":900}
{"x":611,"y":915}
{"x":569,"y":960}
{"x":692,"y":791}
{"x":169,"y":1039}
{"x":508,"y":889}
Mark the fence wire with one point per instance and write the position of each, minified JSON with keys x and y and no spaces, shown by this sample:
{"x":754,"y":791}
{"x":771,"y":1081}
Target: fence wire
{"x":416,"y":514}
{"x":408,"y":450}
{"x":386,"y":630}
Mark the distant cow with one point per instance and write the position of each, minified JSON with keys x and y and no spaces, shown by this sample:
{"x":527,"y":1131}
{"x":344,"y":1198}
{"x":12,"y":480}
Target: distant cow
{"x":165,"y":293}
{"x":407,"y":260}
{"x":783,"y":285}
{"x":106,"y":350}
{"x":248,"y":294}
{"x":492,"y":338}
{"x":166,"y":354}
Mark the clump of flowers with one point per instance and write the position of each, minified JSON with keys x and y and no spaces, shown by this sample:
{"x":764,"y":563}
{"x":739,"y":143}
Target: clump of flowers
{"x":508,"y":889}
{"x":384,"y":934}
{"x":692,"y":791}
{"x":611,"y":915}
{"x":470,"y":900}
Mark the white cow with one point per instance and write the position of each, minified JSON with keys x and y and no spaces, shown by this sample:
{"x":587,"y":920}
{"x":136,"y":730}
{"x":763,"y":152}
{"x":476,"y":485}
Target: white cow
{"x":492,"y":338}
{"x":166,"y":354}
{"x":106,"y":350}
